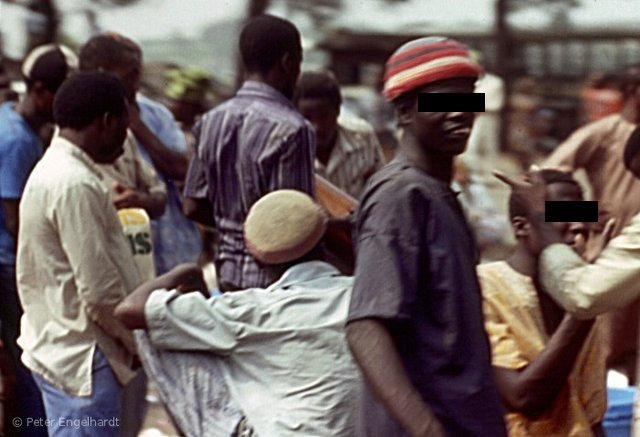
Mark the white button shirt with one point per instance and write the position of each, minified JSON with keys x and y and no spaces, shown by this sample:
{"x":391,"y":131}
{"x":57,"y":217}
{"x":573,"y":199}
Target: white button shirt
{"x":74,"y":266}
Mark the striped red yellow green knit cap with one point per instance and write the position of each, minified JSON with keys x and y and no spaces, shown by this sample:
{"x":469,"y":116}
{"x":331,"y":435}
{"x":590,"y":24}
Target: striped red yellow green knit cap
{"x":426,"y":60}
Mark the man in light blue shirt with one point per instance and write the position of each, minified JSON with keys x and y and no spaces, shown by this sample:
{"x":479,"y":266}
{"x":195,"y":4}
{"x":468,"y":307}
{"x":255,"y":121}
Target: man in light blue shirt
{"x":286,"y":366}
{"x":44,"y":69}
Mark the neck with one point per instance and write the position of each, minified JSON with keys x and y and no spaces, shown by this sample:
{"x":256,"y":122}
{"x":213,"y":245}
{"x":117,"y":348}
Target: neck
{"x":630,"y":111}
{"x":522,"y":261}
{"x":269,"y":78}
{"x":437,"y":166}
{"x":79,"y":139}
{"x":324,"y":153}
{"x":526,"y":264}
{"x":27,"y":110}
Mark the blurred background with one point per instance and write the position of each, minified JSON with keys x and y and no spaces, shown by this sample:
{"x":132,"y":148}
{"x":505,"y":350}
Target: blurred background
{"x":543,"y":55}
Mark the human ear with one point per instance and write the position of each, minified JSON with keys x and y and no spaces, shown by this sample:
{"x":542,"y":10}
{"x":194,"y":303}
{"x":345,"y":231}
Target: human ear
{"x":521,"y":227}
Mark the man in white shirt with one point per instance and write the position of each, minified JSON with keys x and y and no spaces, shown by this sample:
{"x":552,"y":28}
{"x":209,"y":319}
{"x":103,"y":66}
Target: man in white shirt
{"x":285,"y":358}
{"x":74,"y":264}
{"x":347,"y":149}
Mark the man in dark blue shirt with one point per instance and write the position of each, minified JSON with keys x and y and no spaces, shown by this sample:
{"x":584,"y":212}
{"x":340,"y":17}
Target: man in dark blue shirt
{"x":415,"y":321}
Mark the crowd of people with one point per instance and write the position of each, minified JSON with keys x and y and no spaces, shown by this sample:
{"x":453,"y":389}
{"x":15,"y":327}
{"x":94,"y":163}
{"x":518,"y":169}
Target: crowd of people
{"x":106,"y":221}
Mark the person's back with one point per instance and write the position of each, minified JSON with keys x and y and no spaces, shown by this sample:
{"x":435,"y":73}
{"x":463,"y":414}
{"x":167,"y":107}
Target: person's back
{"x":282,"y":349}
{"x":286,"y":360}
{"x":251,"y":145}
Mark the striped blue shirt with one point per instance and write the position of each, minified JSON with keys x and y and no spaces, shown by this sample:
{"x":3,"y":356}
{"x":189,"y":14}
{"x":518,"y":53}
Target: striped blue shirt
{"x":255,"y":143}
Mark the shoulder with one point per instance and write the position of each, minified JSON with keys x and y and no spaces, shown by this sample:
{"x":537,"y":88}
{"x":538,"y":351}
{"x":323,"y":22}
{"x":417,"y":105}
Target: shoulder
{"x":489,"y":275}
{"x":399,"y":188}
{"x":601,"y":127}
{"x":353,"y":124}
{"x":152,"y":107}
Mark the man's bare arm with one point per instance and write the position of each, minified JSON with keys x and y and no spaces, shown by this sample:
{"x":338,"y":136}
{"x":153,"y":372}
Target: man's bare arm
{"x":170,"y":162}
{"x":533,"y":390}
{"x":384,"y":372}
{"x":11,"y":216}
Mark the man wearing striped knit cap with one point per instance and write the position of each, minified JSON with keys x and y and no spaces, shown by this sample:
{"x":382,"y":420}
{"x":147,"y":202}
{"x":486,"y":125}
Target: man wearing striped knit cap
{"x":415,"y":322}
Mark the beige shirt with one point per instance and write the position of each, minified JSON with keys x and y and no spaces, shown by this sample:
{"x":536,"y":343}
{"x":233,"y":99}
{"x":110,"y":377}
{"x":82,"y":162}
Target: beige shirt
{"x":355,"y":157}
{"x":73,"y":266}
{"x":132,"y":171}
{"x":598,"y":148}
{"x":587,"y":290}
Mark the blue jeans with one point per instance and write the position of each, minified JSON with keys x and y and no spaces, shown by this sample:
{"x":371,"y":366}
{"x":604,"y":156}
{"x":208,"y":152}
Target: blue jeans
{"x":29,"y":400}
{"x":95,"y":415}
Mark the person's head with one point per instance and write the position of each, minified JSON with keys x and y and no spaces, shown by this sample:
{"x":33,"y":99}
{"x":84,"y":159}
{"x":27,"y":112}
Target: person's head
{"x":271,"y":50}
{"x":43,"y":70}
{"x":115,"y":54}
{"x":284,"y":228}
{"x":318,"y":99}
{"x":185,"y":92}
{"x":561,"y":186}
{"x":431,"y":65}
{"x":91,"y":108}
{"x":631,"y":154}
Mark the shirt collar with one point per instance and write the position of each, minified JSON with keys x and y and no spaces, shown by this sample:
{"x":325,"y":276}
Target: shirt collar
{"x":253,"y":88}
{"x":304,"y":272}
{"x":71,"y":149}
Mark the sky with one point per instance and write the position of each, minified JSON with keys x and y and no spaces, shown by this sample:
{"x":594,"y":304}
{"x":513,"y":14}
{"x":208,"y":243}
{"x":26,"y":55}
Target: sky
{"x":146,"y":19}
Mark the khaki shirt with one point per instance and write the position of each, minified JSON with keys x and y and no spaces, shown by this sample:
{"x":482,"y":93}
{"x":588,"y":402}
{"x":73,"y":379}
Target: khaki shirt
{"x":74,"y":266}
{"x":132,"y":171}
{"x":587,"y":290}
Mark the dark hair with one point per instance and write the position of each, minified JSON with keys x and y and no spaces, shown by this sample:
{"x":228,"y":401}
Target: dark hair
{"x":108,"y":51}
{"x":630,"y":79}
{"x":83,"y":97}
{"x":632,"y":148}
{"x":319,"y":85}
{"x":264,"y":40}
{"x":550,"y":176}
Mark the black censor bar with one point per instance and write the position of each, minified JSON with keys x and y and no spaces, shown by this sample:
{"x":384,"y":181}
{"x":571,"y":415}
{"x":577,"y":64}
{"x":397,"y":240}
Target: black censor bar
{"x":571,"y":211}
{"x":451,"y":102}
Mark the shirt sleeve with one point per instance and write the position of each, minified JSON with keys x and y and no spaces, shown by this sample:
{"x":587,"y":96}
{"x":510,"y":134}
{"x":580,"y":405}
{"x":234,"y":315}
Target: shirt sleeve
{"x":16,"y":164}
{"x":591,"y":289}
{"x":160,"y":120}
{"x":195,"y":183}
{"x":188,"y":322}
{"x":294,"y":168}
{"x":504,"y":348}
{"x":390,"y":257}
{"x":147,"y":178}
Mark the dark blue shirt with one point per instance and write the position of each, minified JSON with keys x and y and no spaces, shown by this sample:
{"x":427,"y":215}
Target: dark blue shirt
{"x":415,"y":271}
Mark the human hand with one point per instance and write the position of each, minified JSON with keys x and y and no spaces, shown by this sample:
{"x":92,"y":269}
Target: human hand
{"x":530,"y":192}
{"x":601,"y":240}
{"x":125,"y":197}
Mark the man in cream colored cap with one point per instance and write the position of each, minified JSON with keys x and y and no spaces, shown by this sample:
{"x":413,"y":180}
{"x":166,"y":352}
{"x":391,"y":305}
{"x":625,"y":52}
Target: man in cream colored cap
{"x":287,"y":365}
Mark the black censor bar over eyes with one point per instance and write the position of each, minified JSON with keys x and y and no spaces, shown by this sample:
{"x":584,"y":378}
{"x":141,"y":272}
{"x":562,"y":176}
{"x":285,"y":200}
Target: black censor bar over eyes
{"x":571,"y":211}
{"x":451,"y":102}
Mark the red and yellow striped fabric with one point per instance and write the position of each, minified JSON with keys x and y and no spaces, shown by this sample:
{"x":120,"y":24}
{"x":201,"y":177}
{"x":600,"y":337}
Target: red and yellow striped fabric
{"x":426,"y":60}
